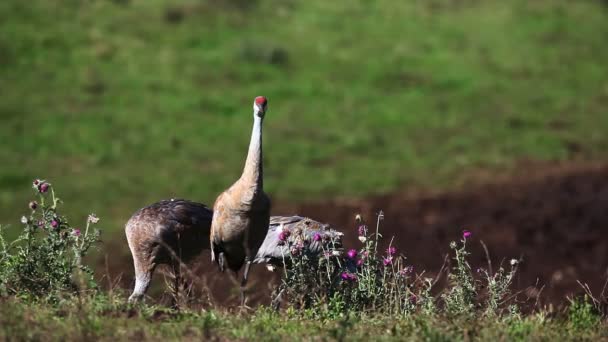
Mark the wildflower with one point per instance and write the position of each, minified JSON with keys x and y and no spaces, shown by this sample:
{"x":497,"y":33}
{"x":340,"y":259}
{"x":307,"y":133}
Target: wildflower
{"x":36,"y":183}
{"x":404,"y":272}
{"x":514,"y":262}
{"x":362,"y":239}
{"x":295,"y":251}
{"x":93,"y":218}
{"x":360,"y":262}
{"x":391,"y":251}
{"x":76,"y":232}
{"x":43,"y":187}
{"x":413,"y":299}
{"x":40,"y":224}
{"x":352,"y":254}
{"x":284,"y":235}
{"x":33,"y":205}
{"x":466,"y":234}
{"x":362,"y":230}
{"x":387,"y":261}
{"x":348,"y":276}
{"x":335,"y":253}
{"x":317,"y":237}
{"x":54,"y":223}
{"x":23,"y":219}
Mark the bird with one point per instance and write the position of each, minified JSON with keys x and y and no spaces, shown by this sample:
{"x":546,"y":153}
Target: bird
{"x":289,"y":235}
{"x":166,"y":232}
{"x":241,"y":214}
{"x":175,"y":231}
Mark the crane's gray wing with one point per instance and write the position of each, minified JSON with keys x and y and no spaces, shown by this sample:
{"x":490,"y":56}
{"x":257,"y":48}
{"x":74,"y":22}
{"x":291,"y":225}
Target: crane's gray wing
{"x":275,"y":251}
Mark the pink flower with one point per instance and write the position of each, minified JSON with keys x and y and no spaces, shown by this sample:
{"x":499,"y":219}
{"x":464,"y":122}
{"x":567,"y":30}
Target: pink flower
{"x":406,"y":271}
{"x":360,"y":262}
{"x":317,"y":237}
{"x":466,"y":234}
{"x":284,"y":235}
{"x":348,"y":276}
{"x":44,"y":187}
{"x":76,"y":232}
{"x":387,"y":261}
{"x":352,"y":254}
{"x":362,"y":230}
{"x":391,"y":251}
{"x":54,"y":223}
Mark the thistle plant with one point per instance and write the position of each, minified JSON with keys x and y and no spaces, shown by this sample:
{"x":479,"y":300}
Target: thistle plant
{"x":460,"y":297}
{"x":45,"y":261}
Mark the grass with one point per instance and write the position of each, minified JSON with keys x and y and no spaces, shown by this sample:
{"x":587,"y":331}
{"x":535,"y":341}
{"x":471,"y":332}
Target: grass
{"x":104,"y":319}
{"x":134,"y":101}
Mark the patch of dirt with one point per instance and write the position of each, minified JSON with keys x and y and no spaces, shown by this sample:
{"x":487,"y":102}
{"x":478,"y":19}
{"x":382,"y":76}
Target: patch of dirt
{"x":552,"y":216}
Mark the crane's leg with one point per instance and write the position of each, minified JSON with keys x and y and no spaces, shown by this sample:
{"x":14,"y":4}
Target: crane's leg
{"x":221,"y":261}
{"x":143,"y":277}
{"x":176,"y":283}
{"x":244,"y":281}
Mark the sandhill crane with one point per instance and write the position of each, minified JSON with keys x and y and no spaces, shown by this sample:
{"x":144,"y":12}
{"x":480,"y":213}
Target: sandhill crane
{"x":303,"y":234}
{"x":166,"y":232}
{"x":175,"y":231}
{"x":242,"y":213}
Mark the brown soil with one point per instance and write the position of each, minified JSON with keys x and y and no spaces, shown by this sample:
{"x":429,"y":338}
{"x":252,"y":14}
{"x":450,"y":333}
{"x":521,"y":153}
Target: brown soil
{"x":554,"y":217}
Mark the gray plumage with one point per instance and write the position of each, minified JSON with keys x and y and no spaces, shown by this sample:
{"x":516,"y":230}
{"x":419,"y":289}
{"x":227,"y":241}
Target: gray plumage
{"x":275,"y":251}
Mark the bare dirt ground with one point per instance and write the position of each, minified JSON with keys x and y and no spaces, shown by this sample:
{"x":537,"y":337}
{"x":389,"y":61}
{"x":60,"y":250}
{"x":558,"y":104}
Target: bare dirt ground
{"x":552,"y":216}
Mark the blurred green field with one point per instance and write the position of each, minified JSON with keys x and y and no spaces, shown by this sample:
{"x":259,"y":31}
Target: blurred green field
{"x":121,"y":103}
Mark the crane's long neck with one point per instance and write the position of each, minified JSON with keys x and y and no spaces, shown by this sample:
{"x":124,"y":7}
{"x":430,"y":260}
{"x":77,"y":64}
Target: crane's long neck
{"x":253,"y":174}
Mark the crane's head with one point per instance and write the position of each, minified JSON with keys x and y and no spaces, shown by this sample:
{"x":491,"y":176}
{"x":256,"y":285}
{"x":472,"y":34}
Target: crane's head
{"x":259,"y":106}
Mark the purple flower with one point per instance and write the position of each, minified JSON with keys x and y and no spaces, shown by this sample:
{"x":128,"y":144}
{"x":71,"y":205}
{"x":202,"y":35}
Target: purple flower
{"x":352,"y":254}
{"x":413,"y":299}
{"x":317,"y":237}
{"x":40,"y":224}
{"x":284,"y":235}
{"x":54,"y":223}
{"x":466,"y":234}
{"x":391,"y":251}
{"x":76,"y":232}
{"x":360,"y":262}
{"x":295,"y":251}
{"x":406,"y":271}
{"x":348,"y":276}
{"x":387,"y":261}
{"x":33,"y":205}
{"x":362,"y":230}
{"x":43,"y":187}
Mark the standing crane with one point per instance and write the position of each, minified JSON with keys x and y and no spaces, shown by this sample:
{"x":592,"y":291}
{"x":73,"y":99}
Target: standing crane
{"x":242,"y":213}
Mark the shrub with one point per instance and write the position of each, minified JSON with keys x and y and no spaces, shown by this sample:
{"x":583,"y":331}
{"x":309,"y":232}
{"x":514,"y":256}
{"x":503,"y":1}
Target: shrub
{"x":374,"y":280}
{"x":45,"y":261}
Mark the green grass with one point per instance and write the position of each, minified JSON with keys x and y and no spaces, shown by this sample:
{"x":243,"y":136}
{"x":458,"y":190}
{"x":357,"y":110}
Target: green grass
{"x":120,"y":106}
{"x":106,"y":320}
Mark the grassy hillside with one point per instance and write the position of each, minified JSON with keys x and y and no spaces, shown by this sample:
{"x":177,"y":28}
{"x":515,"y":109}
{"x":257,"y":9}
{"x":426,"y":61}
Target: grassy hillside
{"x":124,"y":102}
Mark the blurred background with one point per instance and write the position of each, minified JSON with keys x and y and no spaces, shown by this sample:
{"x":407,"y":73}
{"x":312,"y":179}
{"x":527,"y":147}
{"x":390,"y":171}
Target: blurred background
{"x":446,"y":114}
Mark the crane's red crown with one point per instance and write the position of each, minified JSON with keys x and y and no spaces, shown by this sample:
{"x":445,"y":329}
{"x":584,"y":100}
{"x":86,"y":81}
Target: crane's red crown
{"x":261,"y":101}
